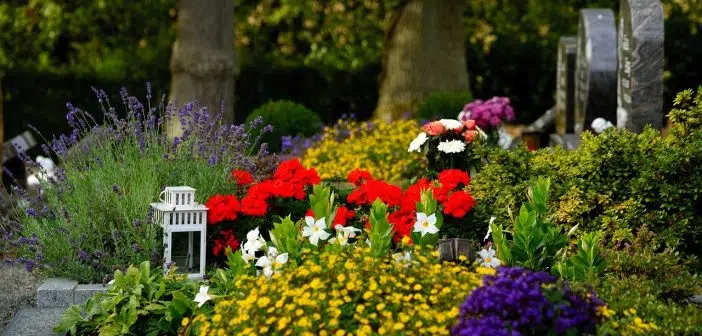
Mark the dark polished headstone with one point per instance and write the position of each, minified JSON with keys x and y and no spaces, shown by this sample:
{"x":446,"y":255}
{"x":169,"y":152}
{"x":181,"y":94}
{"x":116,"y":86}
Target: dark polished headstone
{"x":565,"y":85}
{"x":596,"y":68}
{"x":640,"y":75}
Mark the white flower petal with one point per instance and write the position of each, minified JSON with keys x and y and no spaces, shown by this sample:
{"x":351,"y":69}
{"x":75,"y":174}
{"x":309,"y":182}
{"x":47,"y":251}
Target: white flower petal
{"x":416,"y":144}
{"x":321,"y":223}
{"x":268,"y":271}
{"x":263,"y":262}
{"x":483,"y":253}
{"x":451,"y":124}
{"x":282,"y":259}
{"x":452,"y":146}
{"x":309,"y":220}
{"x":432,"y":219}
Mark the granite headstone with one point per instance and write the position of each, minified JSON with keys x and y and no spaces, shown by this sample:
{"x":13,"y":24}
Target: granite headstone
{"x":565,"y":85}
{"x":596,"y":68}
{"x":640,"y":75}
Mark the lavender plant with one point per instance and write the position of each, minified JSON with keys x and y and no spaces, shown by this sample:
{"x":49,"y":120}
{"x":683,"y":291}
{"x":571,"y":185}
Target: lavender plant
{"x":96,"y":216}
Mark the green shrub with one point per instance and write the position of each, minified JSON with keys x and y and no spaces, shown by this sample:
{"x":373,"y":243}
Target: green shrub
{"x":140,"y":302}
{"x":616,"y":182}
{"x":443,"y":105}
{"x":288,"y":119}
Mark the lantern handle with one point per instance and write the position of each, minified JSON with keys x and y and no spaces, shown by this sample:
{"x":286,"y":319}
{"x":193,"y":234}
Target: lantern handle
{"x":160,"y":197}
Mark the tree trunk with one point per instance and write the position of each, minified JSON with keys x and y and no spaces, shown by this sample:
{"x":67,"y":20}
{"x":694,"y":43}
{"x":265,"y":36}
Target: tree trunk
{"x":203,"y":60}
{"x":424,"y":53}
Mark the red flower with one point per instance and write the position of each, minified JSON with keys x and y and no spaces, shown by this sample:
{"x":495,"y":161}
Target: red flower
{"x":469,"y":136}
{"x":343,"y":214}
{"x":469,"y":124}
{"x":221,"y":208}
{"x":451,"y":178}
{"x":309,"y":213}
{"x":413,"y":194}
{"x":403,"y":223}
{"x":367,"y":193}
{"x":359,"y":176}
{"x":226,"y":239}
{"x":254,"y":206}
{"x":262,"y":190}
{"x":242,"y":177}
{"x":459,"y":204}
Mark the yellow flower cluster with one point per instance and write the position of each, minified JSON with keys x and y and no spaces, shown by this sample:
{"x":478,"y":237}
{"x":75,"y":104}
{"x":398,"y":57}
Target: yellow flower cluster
{"x":377,"y":146}
{"x":348,"y":293}
{"x":627,"y":323}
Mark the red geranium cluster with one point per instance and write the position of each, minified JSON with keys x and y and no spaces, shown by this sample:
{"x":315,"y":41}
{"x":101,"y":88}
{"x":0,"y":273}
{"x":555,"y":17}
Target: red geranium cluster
{"x":369,"y":190}
{"x":289,"y":180}
{"x":226,"y":239}
{"x":359,"y":176}
{"x":242,"y":177}
{"x":221,"y":208}
{"x":448,"y":191}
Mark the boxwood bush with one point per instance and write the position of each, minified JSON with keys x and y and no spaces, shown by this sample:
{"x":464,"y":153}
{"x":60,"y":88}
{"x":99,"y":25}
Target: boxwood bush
{"x":287,"y":118}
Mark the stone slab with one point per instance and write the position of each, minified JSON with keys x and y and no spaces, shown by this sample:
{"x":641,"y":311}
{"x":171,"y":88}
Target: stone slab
{"x":640,"y":75}
{"x":56,"y":293}
{"x":596,"y":68}
{"x":697,"y":299}
{"x":82,"y":293}
{"x":34,"y":322}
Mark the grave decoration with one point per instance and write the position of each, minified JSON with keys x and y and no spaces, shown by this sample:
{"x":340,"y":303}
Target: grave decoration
{"x":184,"y":224}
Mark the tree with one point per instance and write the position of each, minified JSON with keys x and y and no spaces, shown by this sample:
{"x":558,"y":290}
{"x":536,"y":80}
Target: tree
{"x":424,"y":52}
{"x":202,"y":63}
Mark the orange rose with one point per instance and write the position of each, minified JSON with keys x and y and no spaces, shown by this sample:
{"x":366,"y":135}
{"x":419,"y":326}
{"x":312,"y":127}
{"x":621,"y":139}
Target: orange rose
{"x":470,"y":124}
{"x":470,"y":135}
{"x":434,"y":128}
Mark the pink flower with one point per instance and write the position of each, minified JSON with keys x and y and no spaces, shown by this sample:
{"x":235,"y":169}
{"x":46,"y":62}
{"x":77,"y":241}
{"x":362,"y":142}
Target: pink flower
{"x":434,"y":128}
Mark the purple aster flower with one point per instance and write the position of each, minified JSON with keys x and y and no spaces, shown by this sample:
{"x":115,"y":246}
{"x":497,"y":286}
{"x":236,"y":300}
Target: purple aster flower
{"x":83,"y":256}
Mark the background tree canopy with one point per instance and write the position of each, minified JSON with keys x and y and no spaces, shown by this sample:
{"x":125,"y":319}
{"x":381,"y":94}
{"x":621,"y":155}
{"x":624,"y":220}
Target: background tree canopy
{"x":52,"y":51}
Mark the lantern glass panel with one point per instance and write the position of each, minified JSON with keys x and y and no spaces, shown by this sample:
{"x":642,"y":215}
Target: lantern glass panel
{"x":185,"y":252}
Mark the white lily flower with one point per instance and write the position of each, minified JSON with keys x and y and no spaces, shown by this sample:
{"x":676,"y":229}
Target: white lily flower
{"x":343,"y":234}
{"x":425,"y":224}
{"x":416,"y":144}
{"x":247,"y":255}
{"x":271,"y":264}
{"x":487,"y":235}
{"x":488,"y":258}
{"x":201,"y":297}
{"x":315,"y":230}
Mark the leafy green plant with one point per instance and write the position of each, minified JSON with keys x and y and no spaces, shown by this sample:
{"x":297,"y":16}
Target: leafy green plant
{"x":381,"y":231}
{"x":586,"y":264}
{"x":443,"y":105}
{"x":140,"y":302}
{"x":288,"y":119}
{"x":285,"y":236}
{"x":322,"y":203}
{"x":535,"y":239}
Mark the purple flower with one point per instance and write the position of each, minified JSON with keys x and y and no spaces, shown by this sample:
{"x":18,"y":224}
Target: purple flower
{"x":83,"y":256}
{"x":268,"y":128}
{"x":488,"y":114}
{"x":31,"y":212}
{"x":517,"y":301}
{"x":136,"y":247}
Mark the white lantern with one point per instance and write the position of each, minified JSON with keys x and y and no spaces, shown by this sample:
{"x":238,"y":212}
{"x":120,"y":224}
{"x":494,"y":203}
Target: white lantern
{"x":184,"y":225}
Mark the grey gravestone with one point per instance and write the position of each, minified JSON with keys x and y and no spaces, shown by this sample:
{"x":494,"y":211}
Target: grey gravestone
{"x":565,"y":85}
{"x":596,"y":68}
{"x":56,"y":292}
{"x":640,"y":76}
